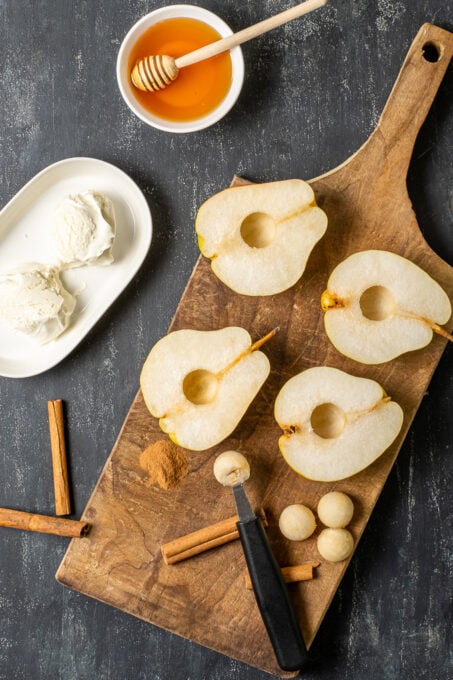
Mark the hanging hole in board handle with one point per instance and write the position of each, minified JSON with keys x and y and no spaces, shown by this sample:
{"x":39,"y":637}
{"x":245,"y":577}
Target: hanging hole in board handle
{"x":432,"y":52}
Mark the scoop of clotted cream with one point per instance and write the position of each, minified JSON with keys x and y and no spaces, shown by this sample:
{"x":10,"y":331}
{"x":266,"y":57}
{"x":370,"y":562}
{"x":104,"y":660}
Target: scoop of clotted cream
{"x":84,"y":229}
{"x":34,"y":301}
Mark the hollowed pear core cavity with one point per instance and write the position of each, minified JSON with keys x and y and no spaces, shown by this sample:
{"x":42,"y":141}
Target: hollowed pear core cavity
{"x":328,"y":421}
{"x":258,"y":230}
{"x":200,"y":386}
{"x":377,"y":303}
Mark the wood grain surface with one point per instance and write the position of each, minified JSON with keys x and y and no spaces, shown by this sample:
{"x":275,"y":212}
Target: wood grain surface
{"x":204,"y":599}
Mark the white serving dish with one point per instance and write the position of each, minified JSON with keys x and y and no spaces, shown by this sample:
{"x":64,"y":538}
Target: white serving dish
{"x":25,"y":236}
{"x":127,"y":89}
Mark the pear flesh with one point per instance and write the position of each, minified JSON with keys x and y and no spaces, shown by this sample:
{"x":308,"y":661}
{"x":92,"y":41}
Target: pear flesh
{"x":334,"y":424}
{"x":379,"y":305}
{"x":259,"y":236}
{"x":200,"y":383}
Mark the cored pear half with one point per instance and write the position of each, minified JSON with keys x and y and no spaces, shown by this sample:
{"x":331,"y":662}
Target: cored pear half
{"x":379,"y":305}
{"x":200,"y":383}
{"x":259,"y":236}
{"x":334,"y":424}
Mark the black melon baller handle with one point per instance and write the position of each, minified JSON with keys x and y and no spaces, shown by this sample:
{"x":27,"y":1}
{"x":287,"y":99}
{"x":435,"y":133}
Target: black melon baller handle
{"x":272,"y":596}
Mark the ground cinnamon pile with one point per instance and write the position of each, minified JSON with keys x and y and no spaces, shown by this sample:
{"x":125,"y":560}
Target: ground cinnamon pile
{"x":165,"y":463}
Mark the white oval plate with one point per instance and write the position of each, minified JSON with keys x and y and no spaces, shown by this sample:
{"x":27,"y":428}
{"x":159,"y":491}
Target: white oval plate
{"x":25,"y":236}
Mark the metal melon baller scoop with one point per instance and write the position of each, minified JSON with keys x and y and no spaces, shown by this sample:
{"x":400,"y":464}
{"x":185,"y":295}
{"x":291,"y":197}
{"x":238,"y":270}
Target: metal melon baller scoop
{"x":231,"y":469}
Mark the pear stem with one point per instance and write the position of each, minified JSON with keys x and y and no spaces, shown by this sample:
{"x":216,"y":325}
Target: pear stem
{"x":441,"y":331}
{"x":434,"y":326}
{"x":256,"y":345}
{"x":259,"y":343}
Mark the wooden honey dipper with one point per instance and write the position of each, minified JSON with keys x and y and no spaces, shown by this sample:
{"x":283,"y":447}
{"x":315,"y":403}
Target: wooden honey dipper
{"x":156,"y":72}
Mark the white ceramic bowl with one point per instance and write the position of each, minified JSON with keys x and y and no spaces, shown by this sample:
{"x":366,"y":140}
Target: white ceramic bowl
{"x":123,"y":76}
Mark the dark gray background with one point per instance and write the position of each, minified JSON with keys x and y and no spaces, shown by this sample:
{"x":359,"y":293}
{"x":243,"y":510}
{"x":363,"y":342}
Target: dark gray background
{"x":313,"y":92}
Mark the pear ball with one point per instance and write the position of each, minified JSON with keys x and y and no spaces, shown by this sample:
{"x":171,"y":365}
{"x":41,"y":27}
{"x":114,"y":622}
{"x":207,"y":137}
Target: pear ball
{"x":297,"y":522}
{"x":231,"y":468}
{"x":335,"y":545}
{"x":335,"y":510}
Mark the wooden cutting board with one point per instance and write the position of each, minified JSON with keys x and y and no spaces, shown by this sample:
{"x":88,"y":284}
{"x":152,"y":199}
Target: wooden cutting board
{"x":204,"y":598}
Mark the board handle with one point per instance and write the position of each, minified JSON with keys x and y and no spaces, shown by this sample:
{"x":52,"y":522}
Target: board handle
{"x":413,"y":93}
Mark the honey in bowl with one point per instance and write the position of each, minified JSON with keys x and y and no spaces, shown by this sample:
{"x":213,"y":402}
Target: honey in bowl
{"x":199,"y":88}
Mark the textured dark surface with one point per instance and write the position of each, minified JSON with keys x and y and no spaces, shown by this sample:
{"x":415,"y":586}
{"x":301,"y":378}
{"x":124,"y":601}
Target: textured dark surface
{"x":312,"y":94}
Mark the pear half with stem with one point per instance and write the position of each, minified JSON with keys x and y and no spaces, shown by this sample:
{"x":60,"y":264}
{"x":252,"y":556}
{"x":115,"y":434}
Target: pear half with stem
{"x":379,"y":305}
{"x":334,"y":424}
{"x":259,"y":236}
{"x":200,"y":383}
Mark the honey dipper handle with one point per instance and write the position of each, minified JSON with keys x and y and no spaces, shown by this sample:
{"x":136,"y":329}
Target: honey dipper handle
{"x":231,"y":41}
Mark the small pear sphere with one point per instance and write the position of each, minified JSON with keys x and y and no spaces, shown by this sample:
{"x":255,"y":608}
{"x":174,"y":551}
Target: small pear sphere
{"x":335,"y":545}
{"x":231,"y":468}
{"x":335,"y":510}
{"x":297,"y":522}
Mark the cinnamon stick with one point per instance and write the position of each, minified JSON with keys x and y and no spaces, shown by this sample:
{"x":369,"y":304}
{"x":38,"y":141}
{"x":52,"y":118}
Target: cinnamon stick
{"x":59,"y":462}
{"x":204,"y":539}
{"x":292,"y":574}
{"x":17,"y":519}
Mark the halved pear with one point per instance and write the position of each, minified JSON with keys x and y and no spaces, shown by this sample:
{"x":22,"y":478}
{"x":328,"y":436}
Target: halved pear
{"x":379,"y":305}
{"x":200,"y":383}
{"x":259,"y":236}
{"x":334,"y":424}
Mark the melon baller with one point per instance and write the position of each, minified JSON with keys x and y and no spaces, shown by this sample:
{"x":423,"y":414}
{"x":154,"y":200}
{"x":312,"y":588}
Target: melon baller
{"x":231,"y":469}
